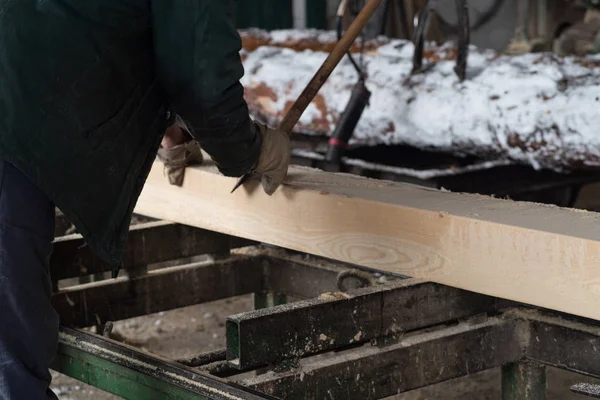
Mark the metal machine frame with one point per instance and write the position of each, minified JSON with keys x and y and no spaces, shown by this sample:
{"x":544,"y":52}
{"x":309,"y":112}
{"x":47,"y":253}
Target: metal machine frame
{"x":348,"y":333}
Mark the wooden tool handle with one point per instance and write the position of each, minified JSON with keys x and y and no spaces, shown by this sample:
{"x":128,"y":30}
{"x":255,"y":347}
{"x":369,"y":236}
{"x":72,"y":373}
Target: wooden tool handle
{"x":334,"y":58}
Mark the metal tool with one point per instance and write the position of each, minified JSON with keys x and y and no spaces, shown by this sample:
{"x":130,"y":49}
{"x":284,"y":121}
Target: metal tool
{"x":338,"y":143}
{"x":334,"y":58}
{"x":420,"y":34}
{"x":463,"y":37}
{"x":359,"y":100}
{"x":241,"y":181}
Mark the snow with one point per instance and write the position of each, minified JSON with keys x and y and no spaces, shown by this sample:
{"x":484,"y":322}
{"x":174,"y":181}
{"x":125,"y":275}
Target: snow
{"x":534,"y":108}
{"x":287,"y":35}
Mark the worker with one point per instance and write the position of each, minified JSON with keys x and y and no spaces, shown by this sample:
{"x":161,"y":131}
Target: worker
{"x":87,"y":89}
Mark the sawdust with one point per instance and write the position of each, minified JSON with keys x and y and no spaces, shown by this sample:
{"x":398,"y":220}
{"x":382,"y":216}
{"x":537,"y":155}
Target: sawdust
{"x":101,"y":351}
{"x":310,"y":365}
{"x":198,"y":385}
{"x":587,"y":388}
{"x":334,"y":296}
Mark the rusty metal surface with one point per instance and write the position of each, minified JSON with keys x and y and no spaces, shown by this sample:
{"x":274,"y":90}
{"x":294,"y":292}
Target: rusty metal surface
{"x":161,"y":290}
{"x":366,"y":343}
{"x":524,"y":380}
{"x":148,"y":243}
{"x":338,"y":320}
{"x":566,"y":344}
{"x":377,"y":372}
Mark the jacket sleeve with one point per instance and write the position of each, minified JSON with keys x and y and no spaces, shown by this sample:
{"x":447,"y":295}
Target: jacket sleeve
{"x":199,"y":67}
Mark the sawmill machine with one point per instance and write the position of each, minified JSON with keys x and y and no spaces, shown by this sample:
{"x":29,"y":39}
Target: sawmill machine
{"x":359,"y":333}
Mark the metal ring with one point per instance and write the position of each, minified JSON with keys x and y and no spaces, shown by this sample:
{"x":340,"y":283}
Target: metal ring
{"x":365,"y":278}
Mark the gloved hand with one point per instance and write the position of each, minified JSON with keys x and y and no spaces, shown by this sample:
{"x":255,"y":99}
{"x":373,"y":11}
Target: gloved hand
{"x":274,"y":159}
{"x":178,"y":157}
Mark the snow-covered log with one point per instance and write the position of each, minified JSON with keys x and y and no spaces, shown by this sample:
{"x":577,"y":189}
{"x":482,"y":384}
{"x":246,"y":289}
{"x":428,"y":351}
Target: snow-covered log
{"x":538,"y":109}
{"x":299,"y":40}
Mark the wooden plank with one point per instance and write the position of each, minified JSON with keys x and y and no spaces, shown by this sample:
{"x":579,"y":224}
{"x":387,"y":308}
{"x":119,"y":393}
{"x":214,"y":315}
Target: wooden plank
{"x":374,"y":372}
{"x":160,"y":290}
{"x":148,"y":243}
{"x":530,"y":253}
{"x":330,"y":322}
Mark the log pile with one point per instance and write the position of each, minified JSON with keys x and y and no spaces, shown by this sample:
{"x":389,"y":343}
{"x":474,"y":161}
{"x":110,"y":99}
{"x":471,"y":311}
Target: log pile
{"x":537,"y":109}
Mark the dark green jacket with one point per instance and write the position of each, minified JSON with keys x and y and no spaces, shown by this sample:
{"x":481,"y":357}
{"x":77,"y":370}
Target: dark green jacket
{"x":87,"y":88}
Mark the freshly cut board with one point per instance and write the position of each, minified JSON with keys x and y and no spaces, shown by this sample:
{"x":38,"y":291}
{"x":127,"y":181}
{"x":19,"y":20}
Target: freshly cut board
{"x":536,"y":254}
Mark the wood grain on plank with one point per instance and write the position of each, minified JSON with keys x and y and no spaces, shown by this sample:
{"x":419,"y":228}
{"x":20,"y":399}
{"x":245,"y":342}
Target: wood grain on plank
{"x":536,"y":254}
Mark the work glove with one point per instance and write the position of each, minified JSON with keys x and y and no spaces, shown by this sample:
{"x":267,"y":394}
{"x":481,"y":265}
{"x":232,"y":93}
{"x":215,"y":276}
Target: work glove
{"x":177,"y":158}
{"x":274,"y":159}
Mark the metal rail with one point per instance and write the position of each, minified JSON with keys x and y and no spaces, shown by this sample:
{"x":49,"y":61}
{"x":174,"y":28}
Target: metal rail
{"x":132,"y":374}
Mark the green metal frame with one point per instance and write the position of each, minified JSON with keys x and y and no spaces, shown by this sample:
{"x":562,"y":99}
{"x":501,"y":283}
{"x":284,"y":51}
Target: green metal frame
{"x":114,"y":378}
{"x":524,"y":381}
{"x":131,"y":374}
{"x":268,"y":299}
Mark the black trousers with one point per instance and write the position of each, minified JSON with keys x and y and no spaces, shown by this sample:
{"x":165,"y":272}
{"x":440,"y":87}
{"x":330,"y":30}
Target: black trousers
{"x":28,"y":323}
